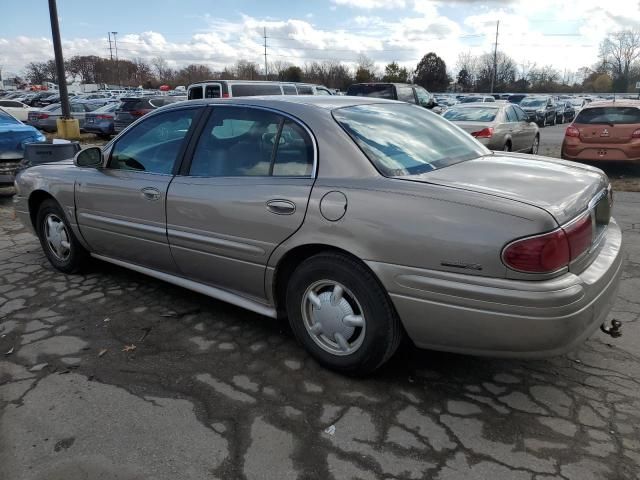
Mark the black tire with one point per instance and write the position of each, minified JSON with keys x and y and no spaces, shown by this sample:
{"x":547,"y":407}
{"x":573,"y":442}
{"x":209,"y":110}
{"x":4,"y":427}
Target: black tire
{"x":383,"y":332}
{"x":554,"y":121}
{"x":507,"y":147}
{"x":77,"y":256}
{"x":535,"y":146}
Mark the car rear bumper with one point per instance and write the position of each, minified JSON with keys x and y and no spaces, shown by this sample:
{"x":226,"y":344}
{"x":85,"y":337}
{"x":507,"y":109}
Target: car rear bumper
{"x":507,"y":318}
{"x":599,"y":152}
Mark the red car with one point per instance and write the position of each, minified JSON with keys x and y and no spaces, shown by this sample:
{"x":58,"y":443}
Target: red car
{"x":604,"y":131}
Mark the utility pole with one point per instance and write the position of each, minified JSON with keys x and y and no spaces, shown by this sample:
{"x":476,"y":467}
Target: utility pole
{"x":495,"y":59}
{"x":266,"y":71}
{"x":57,"y":49}
{"x":110,"y":50}
{"x":115,"y":42}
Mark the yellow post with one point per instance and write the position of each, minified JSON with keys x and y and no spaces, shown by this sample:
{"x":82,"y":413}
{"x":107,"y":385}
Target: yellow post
{"x":68,"y":129}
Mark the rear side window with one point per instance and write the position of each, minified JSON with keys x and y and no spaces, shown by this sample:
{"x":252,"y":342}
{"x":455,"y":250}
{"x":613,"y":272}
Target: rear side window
{"x":373,"y":90}
{"x":251,"y":90}
{"x":405,"y":94}
{"x":510,"y":114}
{"x":289,"y":90}
{"x":195,"y":93}
{"x":608,"y":116}
{"x":212,"y":91}
{"x":247,"y":142}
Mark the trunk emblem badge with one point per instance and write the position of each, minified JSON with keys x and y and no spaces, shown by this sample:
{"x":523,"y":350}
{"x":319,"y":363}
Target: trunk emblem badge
{"x":605,"y":133}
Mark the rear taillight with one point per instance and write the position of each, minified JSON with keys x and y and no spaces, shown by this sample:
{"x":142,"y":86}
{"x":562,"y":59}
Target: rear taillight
{"x":484,"y":133}
{"x":551,"y":251}
{"x":42,"y":116}
{"x":139,"y":113}
{"x":572,"y":132}
{"x":225,"y":95}
{"x":579,"y":235}
{"x":104,"y":117}
{"x":540,"y":254}
{"x":636,"y":134}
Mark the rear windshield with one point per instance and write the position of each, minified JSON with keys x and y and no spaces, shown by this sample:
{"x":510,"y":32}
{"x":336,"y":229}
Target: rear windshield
{"x":377,"y":91}
{"x":533,"y":102}
{"x":130,"y":104}
{"x":472,"y":100}
{"x":608,"y":116}
{"x":471,"y":114}
{"x":109,"y":107}
{"x":406,"y":139}
{"x":251,"y":90}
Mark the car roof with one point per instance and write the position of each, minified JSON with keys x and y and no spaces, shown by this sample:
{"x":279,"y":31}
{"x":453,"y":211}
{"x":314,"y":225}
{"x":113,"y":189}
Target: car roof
{"x":612,"y":103}
{"x":481,"y":105}
{"x":326,"y":102}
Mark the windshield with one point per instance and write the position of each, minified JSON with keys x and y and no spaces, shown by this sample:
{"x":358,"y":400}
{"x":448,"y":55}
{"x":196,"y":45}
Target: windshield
{"x":474,"y":114}
{"x":406,"y":139}
{"x":533,"y":102}
{"x":609,"y":116}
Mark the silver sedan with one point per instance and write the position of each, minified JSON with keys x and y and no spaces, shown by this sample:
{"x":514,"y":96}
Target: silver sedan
{"x":498,"y":126}
{"x":361,"y":220}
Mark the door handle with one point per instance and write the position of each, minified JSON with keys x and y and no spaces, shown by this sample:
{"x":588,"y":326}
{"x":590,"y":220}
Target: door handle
{"x":281,"y":207}
{"x":150,"y":193}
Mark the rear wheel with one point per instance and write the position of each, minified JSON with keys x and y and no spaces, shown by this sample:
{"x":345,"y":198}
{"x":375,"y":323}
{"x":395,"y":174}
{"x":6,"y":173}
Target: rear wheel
{"x":341,"y":314}
{"x":57,"y":239}
{"x":507,"y":147}
{"x":554,"y":121}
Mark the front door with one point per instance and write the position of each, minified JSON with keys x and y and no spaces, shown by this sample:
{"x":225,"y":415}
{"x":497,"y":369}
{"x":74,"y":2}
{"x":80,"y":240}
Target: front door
{"x":245,"y":191}
{"x":121,"y":208}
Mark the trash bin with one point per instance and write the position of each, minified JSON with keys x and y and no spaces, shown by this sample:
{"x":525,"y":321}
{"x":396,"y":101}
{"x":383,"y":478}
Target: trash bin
{"x":44,"y":152}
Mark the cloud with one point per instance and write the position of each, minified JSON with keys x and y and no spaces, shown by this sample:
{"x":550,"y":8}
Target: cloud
{"x":372,"y":4}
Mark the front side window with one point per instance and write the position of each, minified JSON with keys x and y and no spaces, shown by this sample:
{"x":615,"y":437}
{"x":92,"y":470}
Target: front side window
{"x":289,"y":90}
{"x":305,"y":90}
{"x":405,"y":140}
{"x":405,"y":94}
{"x":510,"y":114}
{"x":249,"y":142}
{"x":522,"y":117}
{"x":153,"y":145}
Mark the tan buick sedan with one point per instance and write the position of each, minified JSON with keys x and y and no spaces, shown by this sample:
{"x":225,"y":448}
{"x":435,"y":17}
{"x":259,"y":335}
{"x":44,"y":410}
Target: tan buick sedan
{"x":361,"y":220}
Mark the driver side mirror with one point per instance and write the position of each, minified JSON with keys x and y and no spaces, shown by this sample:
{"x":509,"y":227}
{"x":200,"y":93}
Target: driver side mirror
{"x":89,"y":157}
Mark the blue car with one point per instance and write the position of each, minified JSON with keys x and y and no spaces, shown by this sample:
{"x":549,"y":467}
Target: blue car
{"x":100,"y":121}
{"x":13,"y":136}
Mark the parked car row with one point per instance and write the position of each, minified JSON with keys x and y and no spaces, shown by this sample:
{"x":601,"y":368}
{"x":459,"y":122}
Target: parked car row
{"x":14,"y":135}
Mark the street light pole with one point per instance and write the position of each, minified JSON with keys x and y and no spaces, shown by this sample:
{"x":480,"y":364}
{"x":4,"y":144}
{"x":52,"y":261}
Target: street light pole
{"x":115,"y":41}
{"x":57,"y":49}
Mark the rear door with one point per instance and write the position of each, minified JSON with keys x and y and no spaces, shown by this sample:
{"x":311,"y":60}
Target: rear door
{"x":121,"y":208}
{"x":607,"y":125}
{"x":518,"y":135}
{"x":244,"y":192}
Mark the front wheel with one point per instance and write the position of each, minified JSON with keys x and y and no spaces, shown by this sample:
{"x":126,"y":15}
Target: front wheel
{"x":57,"y":239}
{"x":341,"y":314}
{"x":535,"y":146}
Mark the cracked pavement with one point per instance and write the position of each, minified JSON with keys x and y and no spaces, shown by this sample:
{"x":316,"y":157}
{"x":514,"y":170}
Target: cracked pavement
{"x":212,"y":391}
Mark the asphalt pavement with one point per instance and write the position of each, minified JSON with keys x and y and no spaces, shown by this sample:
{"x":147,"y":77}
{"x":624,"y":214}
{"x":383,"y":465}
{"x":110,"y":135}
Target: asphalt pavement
{"x":114,"y":375}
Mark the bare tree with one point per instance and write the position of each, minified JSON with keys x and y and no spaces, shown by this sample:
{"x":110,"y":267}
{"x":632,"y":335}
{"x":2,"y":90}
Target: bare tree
{"x":618,"y":51}
{"x":470,"y":64}
{"x":164,"y":72}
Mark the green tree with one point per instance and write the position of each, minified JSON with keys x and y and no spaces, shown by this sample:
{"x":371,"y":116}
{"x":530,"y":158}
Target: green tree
{"x":292,"y":74}
{"x":394,"y":73}
{"x":431,"y":73}
{"x":464,"y":80}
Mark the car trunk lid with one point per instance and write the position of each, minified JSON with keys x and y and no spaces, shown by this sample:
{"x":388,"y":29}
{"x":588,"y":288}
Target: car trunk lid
{"x":563,"y":189}
{"x":602,"y":134}
{"x":613,"y":124}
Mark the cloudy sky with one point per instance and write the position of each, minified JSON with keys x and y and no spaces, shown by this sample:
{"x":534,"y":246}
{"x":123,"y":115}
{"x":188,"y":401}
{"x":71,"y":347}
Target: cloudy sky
{"x":563,"y":33}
